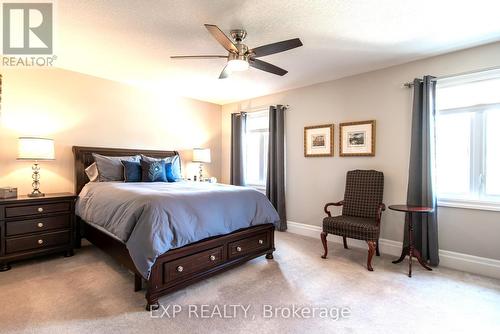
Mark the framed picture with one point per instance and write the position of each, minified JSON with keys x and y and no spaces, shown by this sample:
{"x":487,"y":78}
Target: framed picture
{"x":318,"y":141}
{"x":357,"y":139}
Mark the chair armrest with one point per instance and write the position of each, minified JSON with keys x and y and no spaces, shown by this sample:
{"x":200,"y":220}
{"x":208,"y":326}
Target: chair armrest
{"x":334,"y":204}
{"x":381,"y":207}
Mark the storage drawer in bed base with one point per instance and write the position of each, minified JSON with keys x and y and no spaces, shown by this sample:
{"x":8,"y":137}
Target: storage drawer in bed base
{"x":183,"y":266}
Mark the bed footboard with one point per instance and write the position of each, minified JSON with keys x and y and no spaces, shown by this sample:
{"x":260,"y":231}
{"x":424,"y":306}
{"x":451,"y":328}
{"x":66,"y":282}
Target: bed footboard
{"x":181,"y":267}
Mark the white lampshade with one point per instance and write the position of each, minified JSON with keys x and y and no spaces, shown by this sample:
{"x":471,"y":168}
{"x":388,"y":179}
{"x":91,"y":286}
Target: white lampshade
{"x":30,"y":148}
{"x":201,"y":155}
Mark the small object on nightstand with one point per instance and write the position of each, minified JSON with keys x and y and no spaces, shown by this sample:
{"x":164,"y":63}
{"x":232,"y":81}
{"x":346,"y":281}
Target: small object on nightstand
{"x":8,"y":192}
{"x":34,"y":149}
{"x":209,"y":180}
{"x":32,"y":227}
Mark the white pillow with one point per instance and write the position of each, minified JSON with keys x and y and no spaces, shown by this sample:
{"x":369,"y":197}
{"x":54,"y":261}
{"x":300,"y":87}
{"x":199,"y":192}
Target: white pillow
{"x":92,"y":172}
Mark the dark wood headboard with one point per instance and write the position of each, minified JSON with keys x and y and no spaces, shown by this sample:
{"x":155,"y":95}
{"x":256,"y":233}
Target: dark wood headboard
{"x":83,"y":159}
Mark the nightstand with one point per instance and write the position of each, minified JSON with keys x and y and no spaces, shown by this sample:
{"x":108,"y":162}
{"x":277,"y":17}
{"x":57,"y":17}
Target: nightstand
{"x":31,"y":227}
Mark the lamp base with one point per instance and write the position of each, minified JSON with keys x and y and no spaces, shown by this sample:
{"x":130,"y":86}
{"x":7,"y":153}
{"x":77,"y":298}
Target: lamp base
{"x":36,"y":181}
{"x":36,"y":194}
{"x":200,"y":172}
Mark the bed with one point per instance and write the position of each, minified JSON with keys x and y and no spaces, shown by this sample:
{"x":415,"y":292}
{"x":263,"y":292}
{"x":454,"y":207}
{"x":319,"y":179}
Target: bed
{"x":191,"y":253}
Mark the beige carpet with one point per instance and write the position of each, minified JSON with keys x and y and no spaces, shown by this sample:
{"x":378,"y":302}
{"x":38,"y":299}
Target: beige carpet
{"x":89,"y":293}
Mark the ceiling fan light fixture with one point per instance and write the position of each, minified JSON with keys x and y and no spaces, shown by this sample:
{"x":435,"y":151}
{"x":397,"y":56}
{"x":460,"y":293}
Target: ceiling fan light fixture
{"x":240,"y":57}
{"x":237,"y":65}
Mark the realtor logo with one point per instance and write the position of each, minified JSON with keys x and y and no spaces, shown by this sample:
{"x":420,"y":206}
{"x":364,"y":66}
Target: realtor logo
{"x":27,"y":28}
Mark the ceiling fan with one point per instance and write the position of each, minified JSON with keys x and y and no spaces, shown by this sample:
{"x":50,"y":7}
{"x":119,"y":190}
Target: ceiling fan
{"x":240,"y":57}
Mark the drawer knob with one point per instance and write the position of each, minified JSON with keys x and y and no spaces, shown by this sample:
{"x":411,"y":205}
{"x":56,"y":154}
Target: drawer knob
{"x":40,"y":209}
{"x":180,"y":268}
{"x":40,"y":241}
{"x":212,"y":257}
{"x":39,"y":225}
{"x":261,"y":241}
{"x":238,"y":249}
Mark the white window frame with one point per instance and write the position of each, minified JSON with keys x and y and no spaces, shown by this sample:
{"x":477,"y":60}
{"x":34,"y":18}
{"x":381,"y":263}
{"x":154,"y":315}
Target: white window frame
{"x":478,"y":151}
{"x":259,"y":187}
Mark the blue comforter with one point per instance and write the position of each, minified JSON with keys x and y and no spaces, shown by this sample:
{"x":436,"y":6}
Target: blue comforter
{"x":152,"y":218}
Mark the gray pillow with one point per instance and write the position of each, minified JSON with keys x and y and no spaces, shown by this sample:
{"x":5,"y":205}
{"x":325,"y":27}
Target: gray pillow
{"x":111,"y":168}
{"x":174,"y":160}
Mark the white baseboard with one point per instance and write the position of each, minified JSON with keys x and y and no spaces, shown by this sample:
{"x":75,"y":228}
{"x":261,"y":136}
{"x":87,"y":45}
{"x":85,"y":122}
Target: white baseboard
{"x":459,"y":261}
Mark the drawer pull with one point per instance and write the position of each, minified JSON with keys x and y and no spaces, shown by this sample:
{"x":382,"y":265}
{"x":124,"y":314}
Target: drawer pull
{"x":261,"y":241}
{"x":40,"y":209}
{"x":39,"y":225}
{"x":212,"y":257}
{"x":40,"y":241}
{"x":180,"y":268}
{"x":238,"y":249}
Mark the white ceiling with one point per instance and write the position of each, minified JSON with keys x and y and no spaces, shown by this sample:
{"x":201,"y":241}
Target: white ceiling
{"x":131,"y":40}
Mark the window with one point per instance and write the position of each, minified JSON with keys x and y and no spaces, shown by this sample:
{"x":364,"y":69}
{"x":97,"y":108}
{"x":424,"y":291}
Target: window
{"x":468,"y":141}
{"x":256,"y":143}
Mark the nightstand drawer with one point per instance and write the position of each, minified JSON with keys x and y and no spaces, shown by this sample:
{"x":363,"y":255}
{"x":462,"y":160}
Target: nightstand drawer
{"x":37,"y":225}
{"x":29,"y":210}
{"x":14,"y":245}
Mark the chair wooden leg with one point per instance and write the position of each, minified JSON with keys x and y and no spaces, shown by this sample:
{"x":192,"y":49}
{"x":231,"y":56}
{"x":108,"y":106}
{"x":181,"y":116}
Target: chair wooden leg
{"x":325,"y":246}
{"x":371,"y":251}
{"x":377,"y":251}
{"x":345,"y":242}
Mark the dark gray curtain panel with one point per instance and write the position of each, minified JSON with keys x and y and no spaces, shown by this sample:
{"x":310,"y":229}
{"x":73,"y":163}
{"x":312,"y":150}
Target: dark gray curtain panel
{"x":421,"y":189}
{"x":275,"y":184}
{"x":238,"y":129}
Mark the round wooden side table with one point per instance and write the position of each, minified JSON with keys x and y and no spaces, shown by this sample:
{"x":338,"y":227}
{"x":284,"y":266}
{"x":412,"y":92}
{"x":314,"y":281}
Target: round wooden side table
{"x":410,"y":250}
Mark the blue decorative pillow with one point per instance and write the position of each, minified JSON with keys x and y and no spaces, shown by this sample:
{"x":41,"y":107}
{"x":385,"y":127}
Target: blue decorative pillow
{"x":176,"y":165}
{"x":169,"y":173}
{"x":153,"y":171}
{"x":132,"y":171}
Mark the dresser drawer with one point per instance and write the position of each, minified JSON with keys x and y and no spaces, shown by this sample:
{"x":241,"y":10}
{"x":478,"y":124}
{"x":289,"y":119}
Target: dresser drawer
{"x":14,"y":245}
{"x":247,"y":246}
{"x":37,"y":225}
{"x":29,"y":210}
{"x":179,"y":268}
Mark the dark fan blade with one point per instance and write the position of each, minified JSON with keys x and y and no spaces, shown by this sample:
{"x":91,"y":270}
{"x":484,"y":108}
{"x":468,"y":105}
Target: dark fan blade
{"x":221,"y":38}
{"x":270,"y":49}
{"x":225,"y":73}
{"x":197,"y":57}
{"x":262,"y":65}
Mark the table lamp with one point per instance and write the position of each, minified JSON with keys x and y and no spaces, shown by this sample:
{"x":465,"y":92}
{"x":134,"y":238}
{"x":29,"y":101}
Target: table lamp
{"x":35,"y":149}
{"x":201,"y":155}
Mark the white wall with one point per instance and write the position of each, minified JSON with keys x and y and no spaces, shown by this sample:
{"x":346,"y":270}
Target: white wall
{"x":311,"y":182}
{"x":77,"y":109}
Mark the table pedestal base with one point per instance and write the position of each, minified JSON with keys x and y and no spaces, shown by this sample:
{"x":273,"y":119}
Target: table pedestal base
{"x":410,"y":250}
{"x":414,"y":252}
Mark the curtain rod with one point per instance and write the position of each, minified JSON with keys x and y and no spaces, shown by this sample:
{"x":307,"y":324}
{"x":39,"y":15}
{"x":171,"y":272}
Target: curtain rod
{"x":260,"y":108}
{"x":410,"y":84}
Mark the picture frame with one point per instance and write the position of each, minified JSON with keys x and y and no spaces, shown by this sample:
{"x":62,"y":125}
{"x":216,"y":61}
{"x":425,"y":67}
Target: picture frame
{"x":357,"y":139}
{"x":318,"y":140}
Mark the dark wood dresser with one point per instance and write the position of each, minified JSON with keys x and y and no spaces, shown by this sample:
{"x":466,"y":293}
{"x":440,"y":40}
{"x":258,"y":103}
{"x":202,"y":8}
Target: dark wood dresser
{"x":32,"y":227}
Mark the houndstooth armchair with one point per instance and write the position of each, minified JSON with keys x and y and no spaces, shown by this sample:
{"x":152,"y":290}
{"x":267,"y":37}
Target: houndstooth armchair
{"x":361,"y":211}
